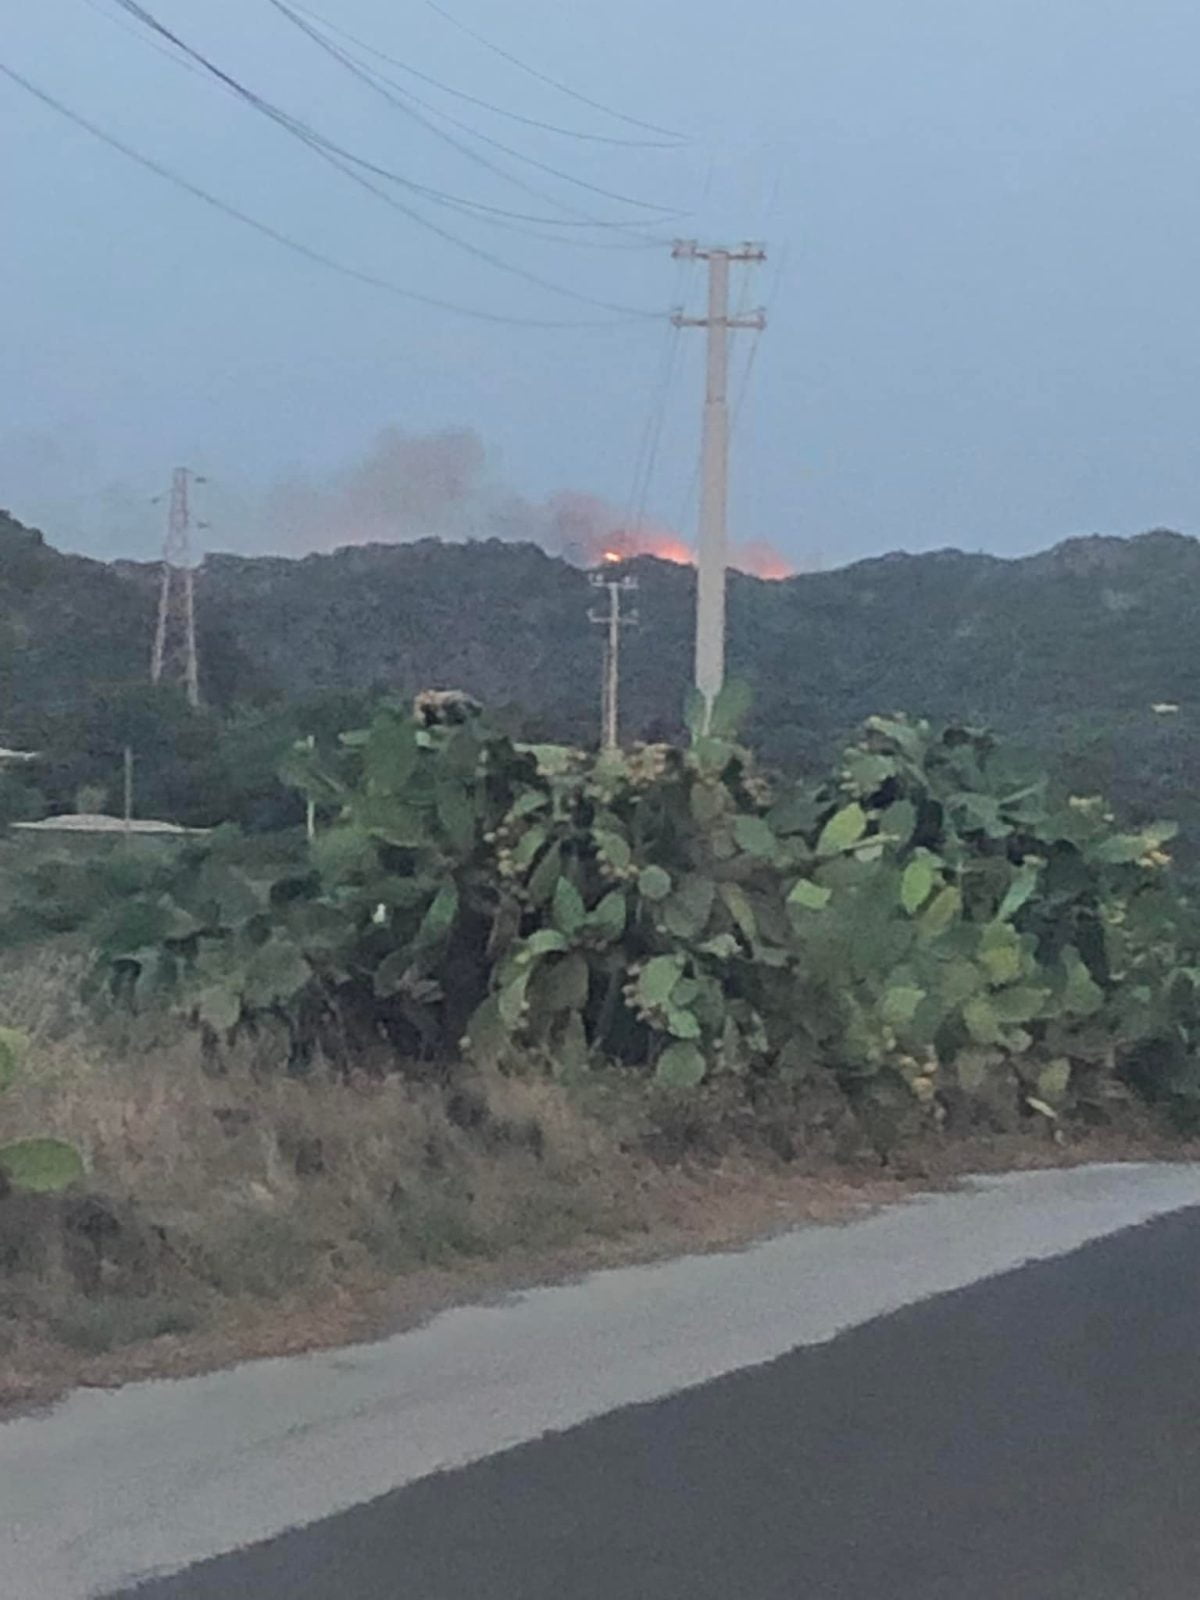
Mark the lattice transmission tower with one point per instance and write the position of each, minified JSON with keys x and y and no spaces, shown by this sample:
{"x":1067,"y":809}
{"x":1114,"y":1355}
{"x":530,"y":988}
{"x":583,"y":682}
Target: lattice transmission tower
{"x":175,"y":657}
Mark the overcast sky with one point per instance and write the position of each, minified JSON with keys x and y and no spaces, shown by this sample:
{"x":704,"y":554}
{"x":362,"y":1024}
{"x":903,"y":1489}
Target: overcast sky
{"x":982,"y":219}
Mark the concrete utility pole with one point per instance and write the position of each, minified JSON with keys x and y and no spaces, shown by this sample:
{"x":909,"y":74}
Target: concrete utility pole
{"x":175,"y":636}
{"x":714,"y":536}
{"x":613,"y":618}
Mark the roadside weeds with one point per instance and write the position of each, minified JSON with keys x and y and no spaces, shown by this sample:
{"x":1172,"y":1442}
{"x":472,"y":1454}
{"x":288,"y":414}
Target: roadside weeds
{"x":245,"y":1214}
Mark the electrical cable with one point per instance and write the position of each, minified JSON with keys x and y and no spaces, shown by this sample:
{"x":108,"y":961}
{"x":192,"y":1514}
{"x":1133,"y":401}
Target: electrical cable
{"x":305,"y":131}
{"x":651,"y":437}
{"x":689,"y":494}
{"x":168,"y":55}
{"x":498,"y":214}
{"x":479,"y":211}
{"x":748,"y":370}
{"x":543,"y":77}
{"x":406,"y":104}
{"x":476,"y":100}
{"x":470,"y":210}
{"x":652,"y":425}
{"x":336,"y":156}
{"x":297,"y":246}
{"x":743,"y":387}
{"x":478,"y":251}
{"x":657,"y":432}
{"x":579,"y":219}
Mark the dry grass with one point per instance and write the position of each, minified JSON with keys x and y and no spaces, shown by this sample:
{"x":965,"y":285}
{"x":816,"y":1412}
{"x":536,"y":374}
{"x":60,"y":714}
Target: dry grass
{"x":253,"y":1214}
{"x":266,"y":1183}
{"x":215,"y":1202}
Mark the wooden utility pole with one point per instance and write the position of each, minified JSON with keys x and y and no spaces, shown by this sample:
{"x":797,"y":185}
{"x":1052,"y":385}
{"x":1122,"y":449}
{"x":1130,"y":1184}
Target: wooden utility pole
{"x":713,"y":555}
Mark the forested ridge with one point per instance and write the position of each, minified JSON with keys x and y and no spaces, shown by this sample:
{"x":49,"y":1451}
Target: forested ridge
{"x":1068,"y":651}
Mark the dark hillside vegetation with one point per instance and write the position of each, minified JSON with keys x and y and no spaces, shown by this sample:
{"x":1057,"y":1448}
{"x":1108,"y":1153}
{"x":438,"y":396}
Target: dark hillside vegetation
{"x":1068,"y":652}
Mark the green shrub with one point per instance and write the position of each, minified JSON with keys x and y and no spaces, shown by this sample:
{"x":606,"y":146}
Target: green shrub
{"x":928,"y":929}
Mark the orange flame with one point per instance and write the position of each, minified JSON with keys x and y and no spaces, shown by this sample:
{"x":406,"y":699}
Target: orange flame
{"x":623,"y":544}
{"x":590,"y":532}
{"x":761,"y":561}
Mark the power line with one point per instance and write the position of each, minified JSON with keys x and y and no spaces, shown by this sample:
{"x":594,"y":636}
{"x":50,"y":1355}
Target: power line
{"x":748,"y":369}
{"x":406,"y":104}
{"x":744,"y":385}
{"x":474,"y":213}
{"x":310,"y":135}
{"x":689,"y":496}
{"x":498,"y":214}
{"x":168,"y":55}
{"x":652,"y":430}
{"x":543,"y":77}
{"x":485,"y":105}
{"x":656,"y":433}
{"x":383,"y":86}
{"x":338,"y":157}
{"x":478,"y":251}
{"x":632,"y":238}
{"x":658,"y":388}
{"x":295,"y":245}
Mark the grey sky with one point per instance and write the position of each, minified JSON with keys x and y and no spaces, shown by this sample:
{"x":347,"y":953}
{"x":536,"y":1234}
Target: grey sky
{"x":986,"y":213}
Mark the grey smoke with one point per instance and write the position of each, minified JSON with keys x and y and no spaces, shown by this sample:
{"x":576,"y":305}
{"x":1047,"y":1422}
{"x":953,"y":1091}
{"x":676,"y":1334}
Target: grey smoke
{"x":406,"y":487}
{"x":413,"y":486}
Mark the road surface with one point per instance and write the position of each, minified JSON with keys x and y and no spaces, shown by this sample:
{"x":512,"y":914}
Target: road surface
{"x":947,"y":1423}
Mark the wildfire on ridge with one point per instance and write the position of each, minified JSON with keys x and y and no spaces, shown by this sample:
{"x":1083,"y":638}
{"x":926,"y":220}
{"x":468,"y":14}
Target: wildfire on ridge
{"x":621,"y":544}
{"x":590,"y":533}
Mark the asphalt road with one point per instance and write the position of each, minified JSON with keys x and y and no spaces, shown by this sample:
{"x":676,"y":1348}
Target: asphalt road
{"x":1035,"y":1436}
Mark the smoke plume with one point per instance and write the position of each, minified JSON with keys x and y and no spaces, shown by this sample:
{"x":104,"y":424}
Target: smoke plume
{"x":406,"y":487}
{"x":441,"y":486}
{"x":587,"y":530}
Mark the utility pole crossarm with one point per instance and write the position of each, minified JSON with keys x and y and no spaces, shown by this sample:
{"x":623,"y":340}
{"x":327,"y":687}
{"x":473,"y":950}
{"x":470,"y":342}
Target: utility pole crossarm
{"x":755,"y":320}
{"x":753,"y":254}
{"x":689,"y":250}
